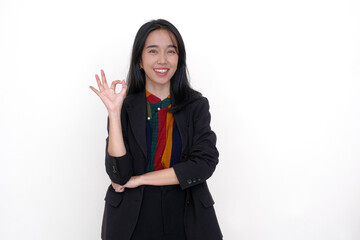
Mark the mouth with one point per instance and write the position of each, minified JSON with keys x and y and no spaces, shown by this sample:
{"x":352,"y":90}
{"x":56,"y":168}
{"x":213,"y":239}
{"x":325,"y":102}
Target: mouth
{"x":161,"y":71}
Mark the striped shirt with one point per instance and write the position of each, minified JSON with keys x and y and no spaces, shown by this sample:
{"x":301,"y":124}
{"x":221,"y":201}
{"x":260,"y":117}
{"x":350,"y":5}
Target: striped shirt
{"x":162,"y":135}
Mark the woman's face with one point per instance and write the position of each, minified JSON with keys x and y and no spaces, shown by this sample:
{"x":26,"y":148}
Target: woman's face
{"x":159,"y":58}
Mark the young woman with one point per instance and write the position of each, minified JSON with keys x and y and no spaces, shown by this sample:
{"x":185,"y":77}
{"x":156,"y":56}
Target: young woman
{"x":160,"y":150}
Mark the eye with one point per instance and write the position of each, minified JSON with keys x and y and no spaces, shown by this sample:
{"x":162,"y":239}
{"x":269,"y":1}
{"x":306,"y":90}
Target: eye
{"x":152,"y":51}
{"x":172,"y":51}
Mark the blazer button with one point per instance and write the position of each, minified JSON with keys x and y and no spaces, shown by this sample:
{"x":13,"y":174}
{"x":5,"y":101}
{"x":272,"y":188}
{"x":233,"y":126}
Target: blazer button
{"x":194,"y":180}
{"x":189,"y":181}
{"x":199,"y":179}
{"x":188,"y":202}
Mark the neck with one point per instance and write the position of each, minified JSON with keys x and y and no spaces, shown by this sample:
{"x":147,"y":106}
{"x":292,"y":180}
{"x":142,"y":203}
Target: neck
{"x":162,"y":91}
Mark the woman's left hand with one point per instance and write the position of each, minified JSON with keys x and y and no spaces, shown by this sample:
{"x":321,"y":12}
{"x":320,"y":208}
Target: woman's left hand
{"x":133,"y":182}
{"x":117,"y":187}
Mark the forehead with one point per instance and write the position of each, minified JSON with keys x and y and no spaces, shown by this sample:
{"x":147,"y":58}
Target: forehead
{"x":161,"y":37}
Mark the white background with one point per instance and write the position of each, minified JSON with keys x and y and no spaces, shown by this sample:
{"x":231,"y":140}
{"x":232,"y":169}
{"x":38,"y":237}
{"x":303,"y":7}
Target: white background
{"x":283,"y":81}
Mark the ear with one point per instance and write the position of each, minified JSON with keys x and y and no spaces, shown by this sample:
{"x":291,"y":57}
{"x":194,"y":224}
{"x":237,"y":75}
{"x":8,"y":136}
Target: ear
{"x":140,"y":64}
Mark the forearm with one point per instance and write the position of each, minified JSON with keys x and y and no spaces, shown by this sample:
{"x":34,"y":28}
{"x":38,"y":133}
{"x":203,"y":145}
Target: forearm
{"x":159,"y":178}
{"x":116,"y":146}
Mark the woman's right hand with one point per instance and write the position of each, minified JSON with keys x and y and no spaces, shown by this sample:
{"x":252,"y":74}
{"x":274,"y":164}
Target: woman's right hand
{"x":113,"y":101}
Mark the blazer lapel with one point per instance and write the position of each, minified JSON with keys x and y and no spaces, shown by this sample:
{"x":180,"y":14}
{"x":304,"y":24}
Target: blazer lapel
{"x":182,"y":124}
{"x":136,"y":110}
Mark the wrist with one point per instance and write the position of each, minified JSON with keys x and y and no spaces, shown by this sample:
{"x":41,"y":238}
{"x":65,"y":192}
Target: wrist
{"x":141,"y":180}
{"x":114,"y":114}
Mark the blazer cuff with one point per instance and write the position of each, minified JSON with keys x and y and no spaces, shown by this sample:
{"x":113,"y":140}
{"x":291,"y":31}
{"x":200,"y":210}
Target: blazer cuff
{"x":118,"y":168}
{"x":183,"y":176}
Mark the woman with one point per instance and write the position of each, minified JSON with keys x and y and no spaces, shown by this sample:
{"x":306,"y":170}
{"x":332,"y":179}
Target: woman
{"x":160,"y":149}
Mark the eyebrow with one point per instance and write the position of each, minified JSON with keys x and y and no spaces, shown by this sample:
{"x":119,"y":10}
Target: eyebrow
{"x":156,"y":46}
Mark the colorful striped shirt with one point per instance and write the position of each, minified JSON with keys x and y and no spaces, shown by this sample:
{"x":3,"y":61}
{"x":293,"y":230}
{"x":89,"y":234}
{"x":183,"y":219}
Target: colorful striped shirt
{"x":162,"y":135}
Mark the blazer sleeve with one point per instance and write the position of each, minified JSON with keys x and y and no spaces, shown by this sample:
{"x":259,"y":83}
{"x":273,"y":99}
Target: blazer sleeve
{"x":119,"y":169}
{"x":203,"y":154}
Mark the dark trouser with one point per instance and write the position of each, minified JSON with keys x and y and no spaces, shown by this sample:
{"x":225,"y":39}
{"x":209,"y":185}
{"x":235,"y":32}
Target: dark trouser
{"x":161,"y":215}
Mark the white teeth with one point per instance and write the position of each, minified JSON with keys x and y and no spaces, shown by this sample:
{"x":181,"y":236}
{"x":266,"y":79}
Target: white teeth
{"x":161,"y":70}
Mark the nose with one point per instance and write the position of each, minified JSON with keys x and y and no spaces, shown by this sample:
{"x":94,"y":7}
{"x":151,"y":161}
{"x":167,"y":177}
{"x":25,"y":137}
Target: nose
{"x":162,"y":58}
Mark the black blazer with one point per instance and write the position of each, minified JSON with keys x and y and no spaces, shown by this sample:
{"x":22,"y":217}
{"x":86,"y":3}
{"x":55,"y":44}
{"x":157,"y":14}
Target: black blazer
{"x":198,"y":161}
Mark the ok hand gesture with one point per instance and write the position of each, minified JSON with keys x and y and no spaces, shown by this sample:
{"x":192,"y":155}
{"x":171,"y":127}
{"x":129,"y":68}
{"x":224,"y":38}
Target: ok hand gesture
{"x":113,"y":101}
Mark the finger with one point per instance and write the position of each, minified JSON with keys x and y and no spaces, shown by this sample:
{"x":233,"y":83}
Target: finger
{"x":99,"y":83}
{"x":95,"y":90}
{"x":114,"y":185}
{"x":103,"y":78}
{"x":119,"y":189}
{"x":113,"y":84}
{"x":123,"y":87}
{"x":123,"y":84}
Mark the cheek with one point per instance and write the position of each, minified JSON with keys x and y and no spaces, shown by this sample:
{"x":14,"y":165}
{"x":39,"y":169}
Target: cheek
{"x":175,"y":61}
{"x":149,"y":61}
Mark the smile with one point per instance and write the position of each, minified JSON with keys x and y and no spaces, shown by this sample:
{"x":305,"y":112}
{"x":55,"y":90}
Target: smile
{"x":161,"y":70}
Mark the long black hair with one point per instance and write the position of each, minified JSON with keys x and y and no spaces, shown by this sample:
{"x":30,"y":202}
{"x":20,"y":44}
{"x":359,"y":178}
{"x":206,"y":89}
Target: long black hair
{"x":181,"y":92}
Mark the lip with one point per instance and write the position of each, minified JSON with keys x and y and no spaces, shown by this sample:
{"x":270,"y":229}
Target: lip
{"x":161,"y":71}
